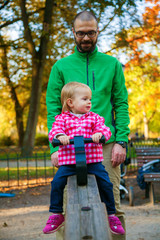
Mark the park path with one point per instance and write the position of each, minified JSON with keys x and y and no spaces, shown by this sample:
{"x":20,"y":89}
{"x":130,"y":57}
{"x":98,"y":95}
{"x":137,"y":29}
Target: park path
{"x":23,"y":217}
{"x":27,"y":223}
{"x":24,"y":163}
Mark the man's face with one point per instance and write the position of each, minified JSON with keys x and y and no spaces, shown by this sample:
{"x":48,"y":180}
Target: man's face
{"x":85,"y":44}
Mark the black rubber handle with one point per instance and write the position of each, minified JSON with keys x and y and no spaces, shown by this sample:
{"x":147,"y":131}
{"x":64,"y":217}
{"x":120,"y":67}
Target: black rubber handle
{"x":56,"y":142}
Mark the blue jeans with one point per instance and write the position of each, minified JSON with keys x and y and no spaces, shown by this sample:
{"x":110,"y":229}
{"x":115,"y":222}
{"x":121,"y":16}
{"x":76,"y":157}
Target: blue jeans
{"x":60,"y":180}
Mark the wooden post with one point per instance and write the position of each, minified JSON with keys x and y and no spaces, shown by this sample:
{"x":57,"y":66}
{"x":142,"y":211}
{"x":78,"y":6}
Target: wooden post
{"x":151,"y":193}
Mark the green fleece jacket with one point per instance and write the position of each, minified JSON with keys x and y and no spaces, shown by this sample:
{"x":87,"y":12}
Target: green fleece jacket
{"x":104,"y":75}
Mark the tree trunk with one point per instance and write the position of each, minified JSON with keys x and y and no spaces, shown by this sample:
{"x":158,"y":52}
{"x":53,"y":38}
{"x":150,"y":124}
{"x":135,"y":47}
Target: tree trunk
{"x":38,"y":63}
{"x":145,"y":121}
{"x":28,"y":142}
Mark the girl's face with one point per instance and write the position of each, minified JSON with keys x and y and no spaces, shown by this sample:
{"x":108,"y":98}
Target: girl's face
{"x":81,"y":102}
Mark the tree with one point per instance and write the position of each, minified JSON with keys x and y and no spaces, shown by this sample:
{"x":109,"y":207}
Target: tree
{"x":142,"y":70}
{"x":38,"y":58}
{"x":38,"y":62}
{"x":42,"y":28}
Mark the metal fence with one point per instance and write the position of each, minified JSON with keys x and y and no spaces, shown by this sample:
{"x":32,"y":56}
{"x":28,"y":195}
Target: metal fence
{"x":17,"y":171}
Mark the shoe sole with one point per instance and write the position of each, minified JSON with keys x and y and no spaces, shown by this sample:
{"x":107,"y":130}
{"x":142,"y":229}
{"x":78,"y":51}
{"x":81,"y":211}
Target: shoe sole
{"x":117,"y":233}
{"x":55,"y":229}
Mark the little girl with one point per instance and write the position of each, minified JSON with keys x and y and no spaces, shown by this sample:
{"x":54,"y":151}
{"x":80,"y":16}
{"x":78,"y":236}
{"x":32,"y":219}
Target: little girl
{"x":76,"y":119}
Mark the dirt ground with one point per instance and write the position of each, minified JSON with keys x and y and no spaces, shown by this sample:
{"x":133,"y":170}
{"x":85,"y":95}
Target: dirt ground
{"x":24,"y":216}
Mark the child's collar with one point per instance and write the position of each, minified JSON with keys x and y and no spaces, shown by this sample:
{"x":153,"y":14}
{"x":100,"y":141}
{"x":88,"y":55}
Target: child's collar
{"x":79,"y":115}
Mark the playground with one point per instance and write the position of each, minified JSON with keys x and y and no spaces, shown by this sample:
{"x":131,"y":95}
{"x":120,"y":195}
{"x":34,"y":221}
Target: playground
{"x":34,"y":36}
{"x":23,"y":216}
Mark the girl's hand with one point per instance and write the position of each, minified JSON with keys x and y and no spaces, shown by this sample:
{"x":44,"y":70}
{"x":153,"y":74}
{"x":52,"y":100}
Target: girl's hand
{"x":64,"y":139}
{"x":96,"y":137}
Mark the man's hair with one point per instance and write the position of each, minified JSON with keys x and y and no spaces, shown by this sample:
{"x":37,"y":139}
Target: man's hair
{"x":69,"y":91}
{"x":85,"y":16}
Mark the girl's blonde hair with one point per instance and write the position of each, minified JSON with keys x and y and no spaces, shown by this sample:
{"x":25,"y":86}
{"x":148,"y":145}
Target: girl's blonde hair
{"x":69,"y":91}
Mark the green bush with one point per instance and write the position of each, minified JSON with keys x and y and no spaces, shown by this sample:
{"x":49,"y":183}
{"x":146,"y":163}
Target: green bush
{"x":7,"y":141}
{"x":41,"y":140}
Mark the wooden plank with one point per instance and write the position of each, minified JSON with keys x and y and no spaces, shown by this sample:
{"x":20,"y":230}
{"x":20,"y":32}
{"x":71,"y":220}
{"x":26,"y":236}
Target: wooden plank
{"x":86,"y":222}
{"x":101,"y":225}
{"x":93,"y":192}
{"x":141,"y":162}
{"x":90,"y":194}
{"x":72,"y":228}
{"x":152,"y":174}
{"x":147,"y":150}
{"x":82,"y":194}
{"x":72,"y":192}
{"x":91,"y":224}
{"x":86,"y":216}
{"x":152,"y":177}
{"x":137,"y":149}
{"x":148,"y":157}
{"x":155,"y":153}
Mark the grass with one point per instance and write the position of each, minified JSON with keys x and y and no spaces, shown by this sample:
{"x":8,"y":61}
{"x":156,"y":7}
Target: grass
{"x":15,"y":155}
{"x":26,"y":173}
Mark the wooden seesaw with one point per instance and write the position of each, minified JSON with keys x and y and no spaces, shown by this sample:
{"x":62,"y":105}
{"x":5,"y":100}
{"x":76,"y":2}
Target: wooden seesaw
{"x":86,"y":216}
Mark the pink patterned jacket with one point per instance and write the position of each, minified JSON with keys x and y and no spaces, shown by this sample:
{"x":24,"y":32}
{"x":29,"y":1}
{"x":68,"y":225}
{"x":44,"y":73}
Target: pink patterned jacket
{"x":71,"y":125}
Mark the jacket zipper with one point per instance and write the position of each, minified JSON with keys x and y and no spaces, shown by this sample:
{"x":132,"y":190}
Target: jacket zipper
{"x":93,"y":80}
{"x":92,"y":74}
{"x":87,"y":70}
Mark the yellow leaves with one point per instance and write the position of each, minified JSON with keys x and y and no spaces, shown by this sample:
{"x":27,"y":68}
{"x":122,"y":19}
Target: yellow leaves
{"x":149,"y":31}
{"x":142,"y":72}
{"x":144,"y":94}
{"x":7,"y":121}
{"x":151,"y":18}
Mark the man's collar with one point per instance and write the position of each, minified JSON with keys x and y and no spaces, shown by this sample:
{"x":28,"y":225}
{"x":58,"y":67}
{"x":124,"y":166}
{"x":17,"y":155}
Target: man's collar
{"x":84,"y":54}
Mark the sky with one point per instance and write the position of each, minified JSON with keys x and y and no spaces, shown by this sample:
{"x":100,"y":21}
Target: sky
{"x":104,"y":40}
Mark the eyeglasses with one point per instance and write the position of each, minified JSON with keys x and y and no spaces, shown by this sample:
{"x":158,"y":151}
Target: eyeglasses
{"x":90,"y":34}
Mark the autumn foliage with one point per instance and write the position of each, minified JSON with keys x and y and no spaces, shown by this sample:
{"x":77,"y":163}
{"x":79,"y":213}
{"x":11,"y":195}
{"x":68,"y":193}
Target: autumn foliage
{"x":143,"y":71}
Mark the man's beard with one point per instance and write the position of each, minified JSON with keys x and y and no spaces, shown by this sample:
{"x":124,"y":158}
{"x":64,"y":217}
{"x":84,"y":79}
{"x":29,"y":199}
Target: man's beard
{"x":86,"y":49}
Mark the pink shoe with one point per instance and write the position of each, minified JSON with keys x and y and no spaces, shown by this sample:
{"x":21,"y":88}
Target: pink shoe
{"x":54,"y":222}
{"x":115,"y":225}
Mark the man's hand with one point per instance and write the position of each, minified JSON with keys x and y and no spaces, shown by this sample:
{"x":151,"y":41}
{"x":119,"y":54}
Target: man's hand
{"x":118,"y":155}
{"x":96,"y":137}
{"x":54,"y":159}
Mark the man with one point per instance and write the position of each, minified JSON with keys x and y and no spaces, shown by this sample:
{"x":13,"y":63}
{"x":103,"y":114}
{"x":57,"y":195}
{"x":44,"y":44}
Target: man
{"x":105,"y":77}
